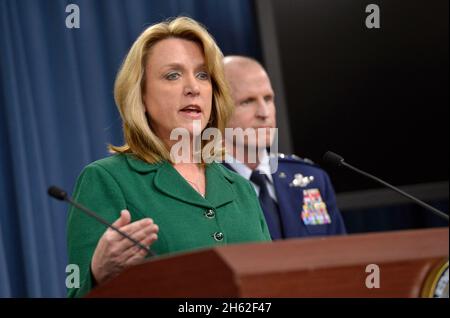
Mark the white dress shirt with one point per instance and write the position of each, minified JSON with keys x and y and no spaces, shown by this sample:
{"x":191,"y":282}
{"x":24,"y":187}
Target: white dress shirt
{"x":246,"y":172}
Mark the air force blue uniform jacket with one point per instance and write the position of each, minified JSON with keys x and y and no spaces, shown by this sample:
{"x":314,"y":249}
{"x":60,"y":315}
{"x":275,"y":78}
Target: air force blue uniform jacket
{"x":306,"y":199}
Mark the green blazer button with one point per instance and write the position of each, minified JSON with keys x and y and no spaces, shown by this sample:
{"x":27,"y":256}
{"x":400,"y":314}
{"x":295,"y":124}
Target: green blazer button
{"x":210,"y":213}
{"x":218,"y":236}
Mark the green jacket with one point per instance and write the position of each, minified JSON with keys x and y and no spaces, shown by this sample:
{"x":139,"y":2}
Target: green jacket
{"x":158,"y":191}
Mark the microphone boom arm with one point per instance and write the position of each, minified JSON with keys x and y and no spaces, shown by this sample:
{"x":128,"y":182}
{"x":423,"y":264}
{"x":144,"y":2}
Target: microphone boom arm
{"x":421,"y":203}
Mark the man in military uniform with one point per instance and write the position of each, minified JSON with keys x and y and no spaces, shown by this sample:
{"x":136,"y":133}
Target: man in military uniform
{"x":297,"y":199}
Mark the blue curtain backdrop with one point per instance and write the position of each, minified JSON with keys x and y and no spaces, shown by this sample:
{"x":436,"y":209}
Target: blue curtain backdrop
{"x":57,"y":113}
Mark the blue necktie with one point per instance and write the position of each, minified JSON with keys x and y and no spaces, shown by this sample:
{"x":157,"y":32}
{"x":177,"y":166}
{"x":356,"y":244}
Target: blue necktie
{"x":268,"y":205}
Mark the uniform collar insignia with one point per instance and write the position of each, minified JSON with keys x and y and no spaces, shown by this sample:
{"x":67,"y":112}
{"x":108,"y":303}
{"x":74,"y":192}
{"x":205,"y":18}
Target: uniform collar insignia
{"x":301,"y":181}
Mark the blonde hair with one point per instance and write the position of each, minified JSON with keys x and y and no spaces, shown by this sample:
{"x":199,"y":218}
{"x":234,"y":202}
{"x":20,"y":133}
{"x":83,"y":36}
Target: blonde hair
{"x":140,"y":139}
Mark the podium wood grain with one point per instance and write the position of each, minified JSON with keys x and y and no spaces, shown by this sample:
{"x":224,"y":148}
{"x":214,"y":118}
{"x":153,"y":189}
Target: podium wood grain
{"x":322,"y":267}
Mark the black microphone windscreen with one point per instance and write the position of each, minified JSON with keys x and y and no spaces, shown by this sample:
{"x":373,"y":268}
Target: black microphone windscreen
{"x":332,"y":158}
{"x":57,"y":193}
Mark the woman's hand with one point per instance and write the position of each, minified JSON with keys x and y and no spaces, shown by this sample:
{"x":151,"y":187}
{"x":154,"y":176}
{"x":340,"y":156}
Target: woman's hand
{"x":114,"y":252}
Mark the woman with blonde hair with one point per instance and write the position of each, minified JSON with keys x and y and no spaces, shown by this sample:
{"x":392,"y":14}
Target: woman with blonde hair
{"x":172,"y":78}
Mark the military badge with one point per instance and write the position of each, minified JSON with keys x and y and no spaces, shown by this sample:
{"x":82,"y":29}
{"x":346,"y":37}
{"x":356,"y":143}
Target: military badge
{"x":301,"y":181}
{"x":314,"y":210}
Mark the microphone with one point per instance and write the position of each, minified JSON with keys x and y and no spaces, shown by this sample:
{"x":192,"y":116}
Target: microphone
{"x":60,"y":194}
{"x":334,"y":159}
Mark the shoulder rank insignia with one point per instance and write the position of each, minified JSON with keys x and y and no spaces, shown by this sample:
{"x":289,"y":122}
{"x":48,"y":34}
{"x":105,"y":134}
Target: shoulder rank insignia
{"x":301,"y":181}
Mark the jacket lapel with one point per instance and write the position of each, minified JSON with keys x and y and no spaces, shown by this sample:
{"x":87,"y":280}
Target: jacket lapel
{"x":228,"y":166}
{"x":289,"y":217}
{"x":219,"y":181}
{"x":218,"y":189}
{"x":141,"y":166}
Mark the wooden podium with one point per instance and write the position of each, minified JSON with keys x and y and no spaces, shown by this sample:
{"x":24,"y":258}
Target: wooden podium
{"x":322,"y":267}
